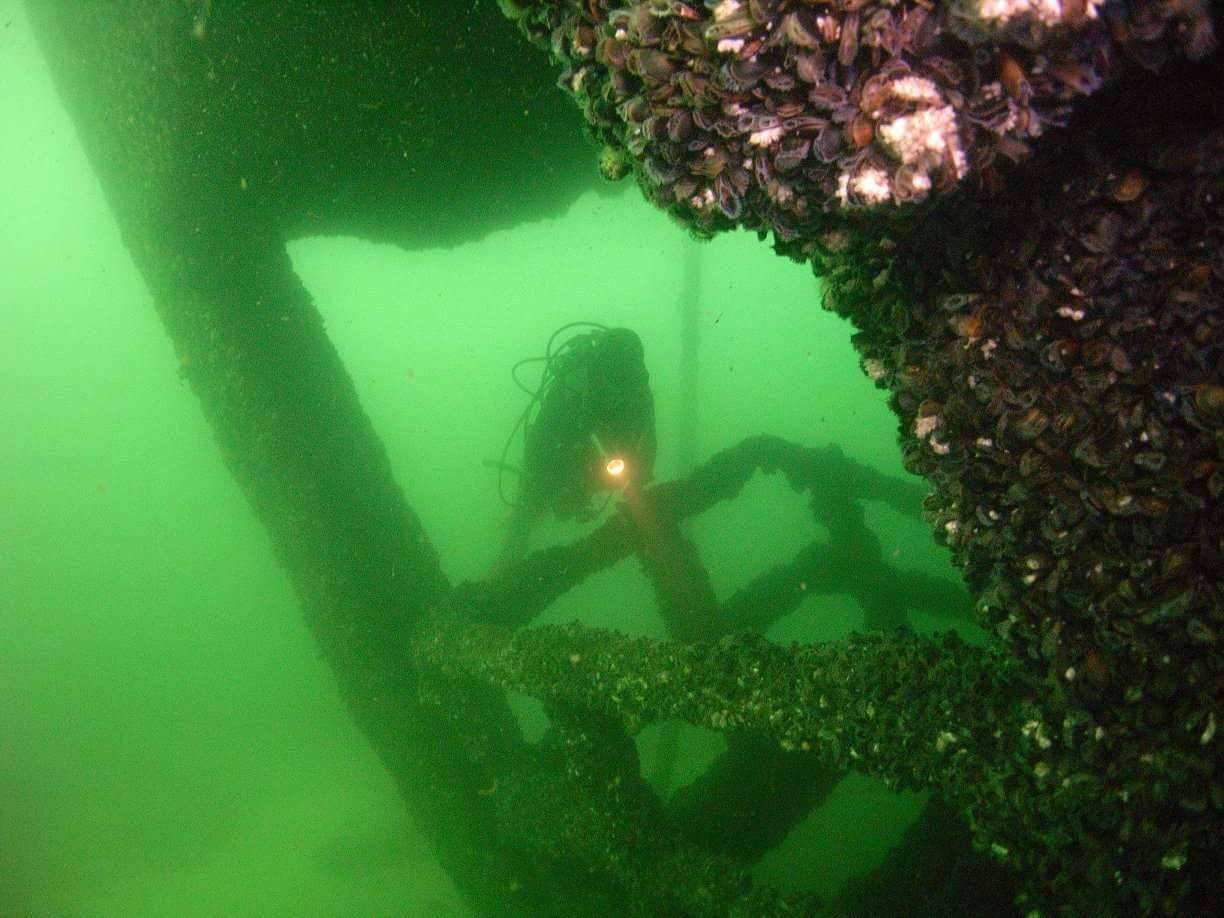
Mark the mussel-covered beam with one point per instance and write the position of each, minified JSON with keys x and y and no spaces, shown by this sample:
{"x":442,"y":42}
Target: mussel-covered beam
{"x":913,"y":712}
{"x":916,"y":713}
{"x":582,"y":799}
{"x":189,"y":137}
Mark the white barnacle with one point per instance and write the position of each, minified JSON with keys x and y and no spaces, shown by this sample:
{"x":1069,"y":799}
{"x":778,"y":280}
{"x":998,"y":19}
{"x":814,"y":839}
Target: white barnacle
{"x":765,"y":137}
{"x":730,"y":45}
{"x":925,"y":425}
{"x":915,"y":89}
{"x":1001,"y":11}
{"x":926,"y":141}
{"x":1047,"y":12}
{"x":920,"y":181}
{"x":871,"y":185}
{"x":874,"y":368}
{"x":703,"y":200}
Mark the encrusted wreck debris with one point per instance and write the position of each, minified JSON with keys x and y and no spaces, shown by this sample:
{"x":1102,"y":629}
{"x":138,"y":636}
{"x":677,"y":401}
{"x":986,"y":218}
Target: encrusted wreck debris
{"x":796,"y":718}
{"x":1019,"y":205}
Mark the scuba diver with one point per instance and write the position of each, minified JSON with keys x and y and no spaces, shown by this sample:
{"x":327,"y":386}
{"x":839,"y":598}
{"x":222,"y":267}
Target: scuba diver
{"x":589,"y":428}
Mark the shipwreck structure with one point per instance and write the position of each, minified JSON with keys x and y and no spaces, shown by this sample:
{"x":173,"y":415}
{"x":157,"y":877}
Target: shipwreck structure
{"x":1019,"y":204}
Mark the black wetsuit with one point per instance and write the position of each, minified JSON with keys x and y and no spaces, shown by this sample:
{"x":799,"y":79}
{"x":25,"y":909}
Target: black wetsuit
{"x":599,"y":386}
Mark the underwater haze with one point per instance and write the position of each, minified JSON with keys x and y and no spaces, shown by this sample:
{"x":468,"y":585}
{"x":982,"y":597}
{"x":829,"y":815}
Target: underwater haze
{"x":171,"y":742}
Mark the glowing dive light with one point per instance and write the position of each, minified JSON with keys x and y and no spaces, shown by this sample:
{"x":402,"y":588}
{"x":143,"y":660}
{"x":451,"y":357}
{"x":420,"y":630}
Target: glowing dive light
{"x":615,"y":466}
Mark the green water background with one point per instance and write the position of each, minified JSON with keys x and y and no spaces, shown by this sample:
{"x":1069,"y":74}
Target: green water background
{"x":170,"y":742}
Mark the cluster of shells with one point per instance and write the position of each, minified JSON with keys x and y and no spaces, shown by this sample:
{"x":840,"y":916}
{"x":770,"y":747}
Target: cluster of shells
{"x":1052,"y":339}
{"x":769,"y":113}
{"x":1075,"y":418}
{"x":1057,"y":364}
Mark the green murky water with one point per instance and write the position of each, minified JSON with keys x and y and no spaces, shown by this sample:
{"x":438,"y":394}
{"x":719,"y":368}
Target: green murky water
{"x":170,"y":742}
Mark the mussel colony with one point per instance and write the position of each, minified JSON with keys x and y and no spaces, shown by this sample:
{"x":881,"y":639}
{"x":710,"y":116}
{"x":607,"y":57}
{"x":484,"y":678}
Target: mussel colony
{"x":1020,"y":206}
{"x":766,"y":113}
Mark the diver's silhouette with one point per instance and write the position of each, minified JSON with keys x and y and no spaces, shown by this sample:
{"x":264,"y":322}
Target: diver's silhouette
{"x":589,"y":428}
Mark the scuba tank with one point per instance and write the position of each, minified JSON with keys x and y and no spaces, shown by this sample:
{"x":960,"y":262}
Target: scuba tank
{"x":589,"y":428}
